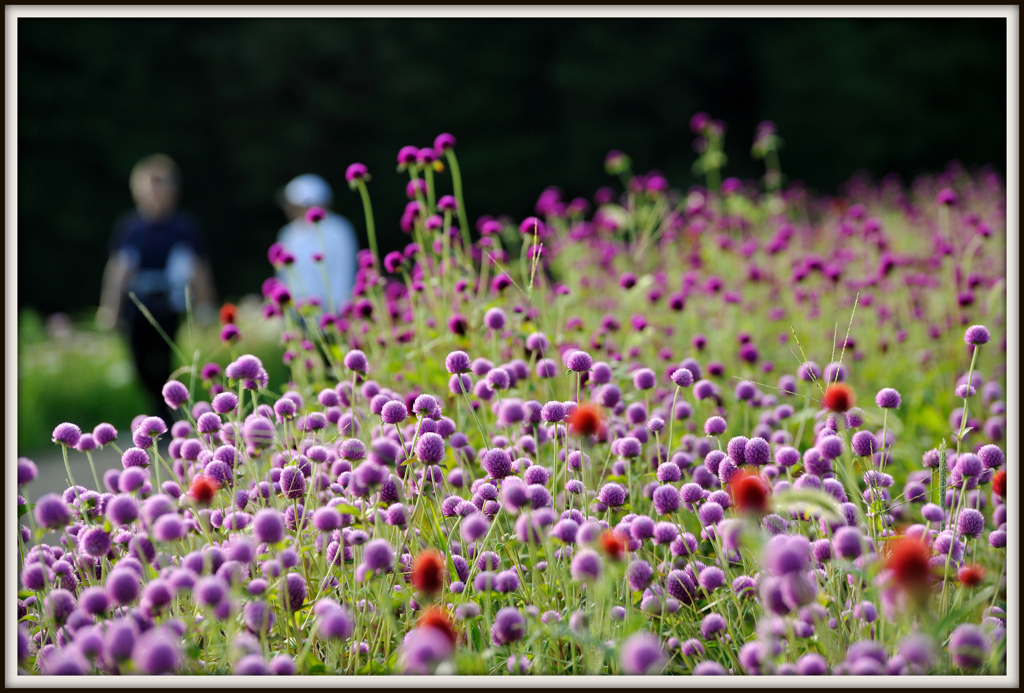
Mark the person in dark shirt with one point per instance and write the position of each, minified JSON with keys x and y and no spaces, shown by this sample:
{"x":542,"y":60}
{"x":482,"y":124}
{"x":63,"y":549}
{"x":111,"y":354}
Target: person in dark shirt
{"x":156,"y":251}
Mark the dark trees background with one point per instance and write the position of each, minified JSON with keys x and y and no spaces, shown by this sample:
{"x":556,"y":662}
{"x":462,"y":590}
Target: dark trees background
{"x":244,"y":105}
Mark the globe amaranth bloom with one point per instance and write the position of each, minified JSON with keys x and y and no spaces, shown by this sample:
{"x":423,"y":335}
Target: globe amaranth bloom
{"x":51,"y":511}
{"x":682,"y":377}
{"x":355,"y":360}
{"x":175,"y":394}
{"x":394,"y":412}
{"x":641,"y":653}
{"x":970,"y":523}
{"x":67,"y":434}
{"x":888,"y":398}
{"x":587,"y":566}
{"x":612,"y":495}
{"x":968,"y":647}
{"x":509,"y":626}
{"x":977,"y":335}
{"x":579,"y":361}
{"x":430,"y":448}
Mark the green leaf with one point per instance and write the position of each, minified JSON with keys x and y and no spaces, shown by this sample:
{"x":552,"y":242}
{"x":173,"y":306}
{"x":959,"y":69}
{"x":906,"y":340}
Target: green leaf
{"x":22,"y":509}
{"x":346,"y":509}
{"x":318,"y":668}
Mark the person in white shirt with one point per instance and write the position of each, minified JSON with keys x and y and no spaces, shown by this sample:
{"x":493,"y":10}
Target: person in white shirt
{"x":331,"y":247}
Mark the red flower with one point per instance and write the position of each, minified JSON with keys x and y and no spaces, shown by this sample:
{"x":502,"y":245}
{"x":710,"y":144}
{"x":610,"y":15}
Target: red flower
{"x":749,"y":492}
{"x":436,"y":617}
{"x":838,"y":398}
{"x":203,"y":489}
{"x":999,"y":483}
{"x":614,"y":544}
{"x":428,"y":572}
{"x":586,"y":420}
{"x":908,"y":561}
{"x":228,"y":314}
{"x":971,"y":575}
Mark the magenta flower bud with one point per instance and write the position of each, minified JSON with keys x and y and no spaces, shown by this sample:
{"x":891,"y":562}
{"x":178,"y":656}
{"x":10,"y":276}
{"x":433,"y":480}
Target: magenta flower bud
{"x":444,"y":142}
{"x":230,"y":333}
{"x":315,"y":214}
{"x":407,"y":156}
{"x":947,"y":197}
{"x":356,"y":172}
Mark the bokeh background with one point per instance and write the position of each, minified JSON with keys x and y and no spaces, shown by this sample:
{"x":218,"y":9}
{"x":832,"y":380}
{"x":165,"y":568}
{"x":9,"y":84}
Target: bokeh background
{"x":244,"y":105}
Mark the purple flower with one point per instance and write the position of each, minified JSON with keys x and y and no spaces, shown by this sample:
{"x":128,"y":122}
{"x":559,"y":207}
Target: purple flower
{"x":356,"y":172}
{"x":587,"y":566}
{"x":992,"y":456}
{"x":355,"y":360}
{"x":714,"y":426}
{"x":67,"y":434}
{"x":579,"y":361}
{"x":666,"y":499}
{"x":497,"y":463}
{"x":394,"y":412}
{"x":175,"y":394}
{"x":509,"y":626}
{"x":430,"y":448}
{"x":444,"y":142}
{"x":258,"y":617}
{"x":51,"y":511}
{"x":268,"y":526}
{"x":612,"y":495}
{"x":968,"y":647}
{"x":104,"y":434}
{"x":709,"y":668}
{"x":495,"y":318}
{"x":157,"y":651}
{"x":378,"y":555}
{"x":757,"y":452}
{"x":123,"y":585}
{"x":846,"y":543}
{"x":423,"y":649}
{"x":59,"y":605}
{"x":710,"y":514}
{"x":977,"y":335}
{"x":970,"y":523}
{"x":682,"y":377}
{"x":812,"y":664}
{"x":644,"y":379}
{"x":639,"y":574}
{"x":888,"y":398}
{"x":864,"y":443}
{"x":641,"y":653}
{"x":736,"y":450}
{"x":712,"y":625}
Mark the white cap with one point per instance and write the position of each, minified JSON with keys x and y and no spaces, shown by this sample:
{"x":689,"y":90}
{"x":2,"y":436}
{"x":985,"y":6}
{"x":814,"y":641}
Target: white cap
{"x":308,"y":190}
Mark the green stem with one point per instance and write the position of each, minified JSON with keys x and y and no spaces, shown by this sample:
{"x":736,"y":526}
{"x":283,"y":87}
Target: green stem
{"x":371,"y":233}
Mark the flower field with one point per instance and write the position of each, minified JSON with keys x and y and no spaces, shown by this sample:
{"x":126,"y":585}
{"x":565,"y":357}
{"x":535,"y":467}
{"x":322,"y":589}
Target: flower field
{"x":738,"y":429}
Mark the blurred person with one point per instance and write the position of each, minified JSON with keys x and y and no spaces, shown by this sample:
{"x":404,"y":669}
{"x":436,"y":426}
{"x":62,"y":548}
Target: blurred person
{"x":333,"y":245}
{"x":156,"y":251}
